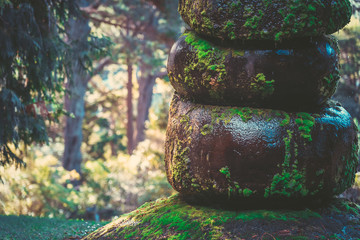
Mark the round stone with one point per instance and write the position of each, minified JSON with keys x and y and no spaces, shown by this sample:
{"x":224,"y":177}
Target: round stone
{"x":220,"y":153}
{"x":300,"y":76}
{"x":265,"y":19}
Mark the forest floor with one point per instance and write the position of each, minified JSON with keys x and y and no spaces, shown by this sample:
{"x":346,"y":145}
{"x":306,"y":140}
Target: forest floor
{"x":35,"y":228}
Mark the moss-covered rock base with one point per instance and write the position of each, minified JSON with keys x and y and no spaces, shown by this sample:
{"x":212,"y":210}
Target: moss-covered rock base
{"x":173,"y":218}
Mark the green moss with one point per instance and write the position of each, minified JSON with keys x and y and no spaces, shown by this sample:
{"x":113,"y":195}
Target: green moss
{"x":237,"y":53}
{"x":299,"y":17}
{"x":180,"y":173}
{"x":172,"y":218}
{"x":236,"y":6}
{"x":233,"y":186}
{"x":305,"y":122}
{"x":208,"y":23}
{"x":226,"y":172}
{"x":286,"y":121}
{"x":337,"y":11}
{"x":247,"y":192}
{"x":345,"y":172}
{"x":291,"y":181}
{"x":206,"y":129}
{"x":227,"y":114}
{"x":179,"y":169}
{"x":245,"y":113}
{"x":229,"y":28}
{"x":328,"y":84}
{"x":262,"y":86}
{"x":294,"y":18}
{"x":320,"y":172}
{"x":210,"y":60}
{"x":253,"y":21}
{"x":205,"y":22}
{"x":218,"y":116}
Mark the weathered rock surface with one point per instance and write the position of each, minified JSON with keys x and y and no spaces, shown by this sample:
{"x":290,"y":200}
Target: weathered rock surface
{"x":291,"y":76}
{"x":172,"y":218}
{"x":265,"y":19}
{"x":223,"y":153}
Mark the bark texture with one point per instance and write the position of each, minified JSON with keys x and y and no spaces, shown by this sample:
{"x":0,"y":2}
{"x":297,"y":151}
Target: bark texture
{"x":77,"y":31}
{"x":129,"y":104}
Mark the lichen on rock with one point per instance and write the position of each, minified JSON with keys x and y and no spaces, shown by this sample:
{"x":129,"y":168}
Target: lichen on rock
{"x":265,"y":19}
{"x":239,"y":75}
{"x":291,"y":155}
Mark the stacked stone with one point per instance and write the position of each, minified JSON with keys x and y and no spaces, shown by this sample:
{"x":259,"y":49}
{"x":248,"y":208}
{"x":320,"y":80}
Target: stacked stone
{"x":251,"y":116}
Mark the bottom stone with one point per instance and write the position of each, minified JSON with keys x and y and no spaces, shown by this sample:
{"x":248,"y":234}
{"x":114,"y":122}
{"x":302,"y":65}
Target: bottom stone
{"x":172,"y":218}
{"x":222,"y":153}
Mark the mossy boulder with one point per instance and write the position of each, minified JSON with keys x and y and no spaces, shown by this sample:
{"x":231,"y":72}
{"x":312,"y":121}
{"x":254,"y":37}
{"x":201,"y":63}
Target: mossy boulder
{"x":296,"y":76}
{"x":226,"y":154}
{"x":173,"y":218}
{"x":265,"y":19}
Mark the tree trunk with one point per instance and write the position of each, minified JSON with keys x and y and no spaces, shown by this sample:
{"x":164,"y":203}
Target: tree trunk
{"x":146,"y":83}
{"x":129,"y":126}
{"x":77,"y":31}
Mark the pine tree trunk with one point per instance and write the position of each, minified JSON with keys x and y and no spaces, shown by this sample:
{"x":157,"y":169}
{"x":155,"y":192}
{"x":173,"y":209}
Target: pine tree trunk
{"x":129,"y":126}
{"x":146,"y":84}
{"x":77,"y":31}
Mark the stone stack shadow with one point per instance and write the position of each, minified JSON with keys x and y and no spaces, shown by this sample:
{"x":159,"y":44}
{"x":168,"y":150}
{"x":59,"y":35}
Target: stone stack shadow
{"x":251,"y":118}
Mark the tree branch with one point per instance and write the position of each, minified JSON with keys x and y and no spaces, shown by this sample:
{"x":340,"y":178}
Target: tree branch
{"x":92,"y":8}
{"x":160,"y":74}
{"x":103,"y":63}
{"x":121,"y":25}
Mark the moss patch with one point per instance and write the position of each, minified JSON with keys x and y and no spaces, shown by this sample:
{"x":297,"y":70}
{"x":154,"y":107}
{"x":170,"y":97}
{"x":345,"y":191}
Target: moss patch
{"x":180,"y":169}
{"x":262,"y":86}
{"x":206,"y":129}
{"x":305,"y":122}
{"x":172,"y":218}
{"x":291,"y":181}
{"x":346,"y":171}
{"x":210,"y":60}
{"x":233,"y":186}
{"x":265,"y":19}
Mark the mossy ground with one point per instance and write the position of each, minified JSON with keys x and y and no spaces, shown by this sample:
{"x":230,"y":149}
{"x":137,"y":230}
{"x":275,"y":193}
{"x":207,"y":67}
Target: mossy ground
{"x":172,"y":218}
{"x":35,"y":228}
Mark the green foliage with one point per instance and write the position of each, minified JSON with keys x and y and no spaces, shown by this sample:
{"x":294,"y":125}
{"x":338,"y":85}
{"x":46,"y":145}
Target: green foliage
{"x":157,"y":25}
{"x":350,"y":58}
{"x":32,"y":70}
{"x":46,"y":189}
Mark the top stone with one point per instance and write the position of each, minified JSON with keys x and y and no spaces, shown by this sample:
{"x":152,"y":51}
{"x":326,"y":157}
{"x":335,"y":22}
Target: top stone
{"x":265,"y":19}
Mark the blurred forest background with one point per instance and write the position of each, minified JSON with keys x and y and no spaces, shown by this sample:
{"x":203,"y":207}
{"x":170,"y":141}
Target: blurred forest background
{"x":84,"y":99}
